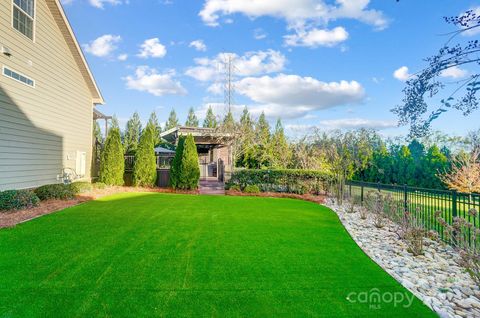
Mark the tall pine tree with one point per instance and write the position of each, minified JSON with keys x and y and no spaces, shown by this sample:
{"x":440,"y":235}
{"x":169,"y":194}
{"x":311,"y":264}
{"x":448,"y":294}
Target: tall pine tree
{"x":280,"y":149}
{"x":210,"y":120}
{"x":172,"y":121}
{"x":133,"y":131}
{"x":156,"y":129}
{"x":192,"y":120}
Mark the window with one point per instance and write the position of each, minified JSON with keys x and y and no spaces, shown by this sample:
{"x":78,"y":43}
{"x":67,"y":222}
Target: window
{"x":18,"y":77}
{"x":23,"y":16}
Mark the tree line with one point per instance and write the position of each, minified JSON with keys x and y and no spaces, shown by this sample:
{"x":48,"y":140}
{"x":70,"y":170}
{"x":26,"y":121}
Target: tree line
{"x":357,"y":154}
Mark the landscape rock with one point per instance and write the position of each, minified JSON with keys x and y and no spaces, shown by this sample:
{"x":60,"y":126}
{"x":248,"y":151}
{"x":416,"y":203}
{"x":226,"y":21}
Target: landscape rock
{"x":435,"y":277}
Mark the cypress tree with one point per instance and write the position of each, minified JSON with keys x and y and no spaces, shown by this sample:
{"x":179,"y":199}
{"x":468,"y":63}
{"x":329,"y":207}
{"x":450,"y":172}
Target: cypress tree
{"x":192,"y":120}
{"x":189,"y":171}
{"x":176,"y":162}
{"x":112,"y":165}
{"x":210,"y":120}
{"x":145,"y":167}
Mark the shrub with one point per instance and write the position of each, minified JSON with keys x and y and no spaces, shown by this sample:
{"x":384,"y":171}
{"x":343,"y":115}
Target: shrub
{"x":99,"y":185}
{"x":282,"y":180}
{"x":251,"y":189}
{"x":112,"y":165}
{"x":189,"y":171}
{"x":235,"y":187}
{"x":17,"y":199}
{"x":54,"y":191}
{"x":80,"y":187}
{"x":145,"y":167}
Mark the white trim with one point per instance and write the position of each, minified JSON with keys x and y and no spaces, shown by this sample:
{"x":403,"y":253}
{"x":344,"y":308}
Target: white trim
{"x":34,"y":18}
{"x":12,"y":70}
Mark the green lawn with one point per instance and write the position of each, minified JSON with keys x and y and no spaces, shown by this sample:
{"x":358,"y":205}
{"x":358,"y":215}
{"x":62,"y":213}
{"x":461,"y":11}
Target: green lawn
{"x":146,"y":255}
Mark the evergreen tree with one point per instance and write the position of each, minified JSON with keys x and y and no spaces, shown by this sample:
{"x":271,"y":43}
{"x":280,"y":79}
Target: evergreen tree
{"x":281,"y":151}
{"x":228,"y":122}
{"x":172,"y":121}
{"x":210,"y":120}
{"x":112,"y":165}
{"x":247,"y":141}
{"x":156,"y":129}
{"x":189,"y":171}
{"x":192,"y":120}
{"x":435,"y":162}
{"x":114,"y":123}
{"x":133,"y":130}
{"x":145,"y":167}
{"x":262,"y":152}
{"x":176,"y":162}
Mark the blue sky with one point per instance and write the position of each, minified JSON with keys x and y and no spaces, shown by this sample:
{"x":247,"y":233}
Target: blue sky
{"x":327,"y":64}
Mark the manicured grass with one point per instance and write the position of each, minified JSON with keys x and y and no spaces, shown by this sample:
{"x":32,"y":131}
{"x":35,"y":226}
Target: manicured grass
{"x":145,"y":255}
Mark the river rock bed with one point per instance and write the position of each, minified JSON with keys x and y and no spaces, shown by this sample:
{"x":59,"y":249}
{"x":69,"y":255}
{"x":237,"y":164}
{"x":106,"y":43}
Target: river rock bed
{"x":435,"y":277}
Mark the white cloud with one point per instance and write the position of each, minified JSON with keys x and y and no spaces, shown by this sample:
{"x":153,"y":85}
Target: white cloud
{"x":152,"y":48}
{"x":259,"y":34}
{"x":294,"y":96}
{"x":251,"y":63}
{"x":296,"y":13}
{"x":402,"y":74}
{"x":100,"y":3}
{"x":345,"y":123}
{"x":454,"y":72}
{"x":474,"y":31}
{"x":122,"y":57}
{"x":199,"y":45}
{"x":149,"y":80}
{"x":317,"y":37}
{"x":103,"y":46}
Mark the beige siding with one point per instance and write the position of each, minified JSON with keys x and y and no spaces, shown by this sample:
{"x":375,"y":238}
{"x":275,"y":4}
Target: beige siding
{"x":41,"y":128}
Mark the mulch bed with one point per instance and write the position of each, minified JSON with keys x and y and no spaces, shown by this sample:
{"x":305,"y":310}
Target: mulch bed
{"x":14,"y":217}
{"x":320,"y":199}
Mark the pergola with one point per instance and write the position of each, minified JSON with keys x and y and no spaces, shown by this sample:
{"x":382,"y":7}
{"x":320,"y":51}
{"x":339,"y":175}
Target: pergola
{"x":99,"y":115}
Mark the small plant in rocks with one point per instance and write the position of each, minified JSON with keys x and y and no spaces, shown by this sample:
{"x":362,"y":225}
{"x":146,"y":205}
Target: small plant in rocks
{"x":414,"y":233}
{"x":379,"y":205}
{"x":363,"y":212}
{"x":465,"y":238}
{"x":349,"y":205}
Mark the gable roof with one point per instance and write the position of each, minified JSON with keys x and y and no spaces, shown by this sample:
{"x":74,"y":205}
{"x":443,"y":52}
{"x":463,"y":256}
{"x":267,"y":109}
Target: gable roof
{"x":72,"y":43}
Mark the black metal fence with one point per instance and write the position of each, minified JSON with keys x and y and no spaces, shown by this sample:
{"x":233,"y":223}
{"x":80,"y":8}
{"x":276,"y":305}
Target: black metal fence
{"x":424,"y":203}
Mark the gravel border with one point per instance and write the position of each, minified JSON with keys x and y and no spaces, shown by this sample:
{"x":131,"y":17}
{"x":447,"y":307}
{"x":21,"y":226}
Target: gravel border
{"x":435,"y":277}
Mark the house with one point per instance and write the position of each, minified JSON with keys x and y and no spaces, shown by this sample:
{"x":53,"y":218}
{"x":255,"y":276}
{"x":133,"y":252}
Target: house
{"x":214,"y":149}
{"x":47,"y":97}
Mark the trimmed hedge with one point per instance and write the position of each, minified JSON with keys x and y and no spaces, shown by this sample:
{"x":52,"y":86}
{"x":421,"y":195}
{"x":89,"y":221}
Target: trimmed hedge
{"x":285,"y":180}
{"x":17,"y":199}
{"x":55,"y":191}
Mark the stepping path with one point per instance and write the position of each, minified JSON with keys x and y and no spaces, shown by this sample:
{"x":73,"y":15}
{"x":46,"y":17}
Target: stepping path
{"x":212,"y":187}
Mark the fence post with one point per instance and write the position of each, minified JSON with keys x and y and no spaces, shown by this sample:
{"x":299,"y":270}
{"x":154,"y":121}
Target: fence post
{"x":454,"y":204}
{"x":361,"y":194}
{"x":405,"y":198}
